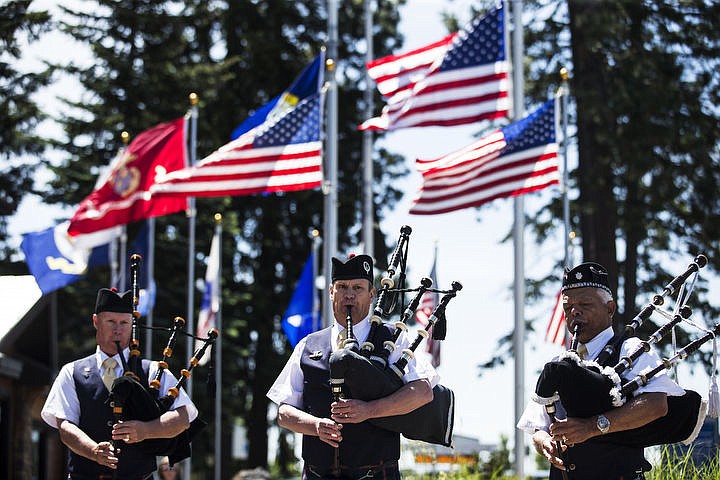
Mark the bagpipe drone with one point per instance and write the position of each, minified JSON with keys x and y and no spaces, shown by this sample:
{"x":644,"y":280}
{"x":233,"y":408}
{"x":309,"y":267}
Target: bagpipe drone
{"x":588,"y":388}
{"x":132,"y":398}
{"x":360,"y":372}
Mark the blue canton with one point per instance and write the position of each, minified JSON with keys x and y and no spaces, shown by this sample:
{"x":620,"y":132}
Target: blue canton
{"x":483,"y":42}
{"x":299,"y":125}
{"x":536,"y":129}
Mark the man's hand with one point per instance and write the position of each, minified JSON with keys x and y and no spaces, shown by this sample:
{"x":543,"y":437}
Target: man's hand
{"x":350,"y":411}
{"x":547,"y":447}
{"x":104,"y":454}
{"x":329,"y":431}
{"x":574,"y":430}
{"x":130,"y":431}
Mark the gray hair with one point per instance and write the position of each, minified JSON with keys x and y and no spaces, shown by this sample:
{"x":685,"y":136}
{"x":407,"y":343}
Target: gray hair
{"x":604,"y":295}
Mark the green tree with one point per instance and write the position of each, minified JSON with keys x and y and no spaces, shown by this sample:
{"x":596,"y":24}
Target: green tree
{"x":644,"y":80}
{"x":19,"y":114}
{"x":644,"y":84}
{"x":148,"y":56}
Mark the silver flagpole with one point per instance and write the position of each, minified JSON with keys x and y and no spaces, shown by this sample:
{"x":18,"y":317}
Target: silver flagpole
{"x":113,"y":257}
{"x":518,"y":246}
{"x":150,"y":262}
{"x":218,"y":355}
{"x":330,"y":244}
{"x":122,"y":285}
{"x":190,"y":320}
{"x":563,"y":93}
{"x":368,"y":212}
{"x":316,"y":299}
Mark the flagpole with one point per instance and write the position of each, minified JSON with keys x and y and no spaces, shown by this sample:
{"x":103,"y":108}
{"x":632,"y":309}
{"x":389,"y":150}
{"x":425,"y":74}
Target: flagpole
{"x":113,"y":257}
{"x":150,"y":262}
{"x":368,"y":219}
{"x":316,"y":299}
{"x":518,"y":246}
{"x":190,"y":319}
{"x":218,"y":356}
{"x":330,"y":234}
{"x":123,"y":261}
{"x":117,"y":253}
{"x":563,"y":92}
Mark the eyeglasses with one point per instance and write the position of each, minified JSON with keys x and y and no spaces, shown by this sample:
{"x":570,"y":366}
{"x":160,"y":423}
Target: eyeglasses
{"x":167,"y":469}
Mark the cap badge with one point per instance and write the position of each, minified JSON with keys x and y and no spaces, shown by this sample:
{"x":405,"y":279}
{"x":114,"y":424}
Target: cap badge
{"x":578,"y":275}
{"x":366,"y":267}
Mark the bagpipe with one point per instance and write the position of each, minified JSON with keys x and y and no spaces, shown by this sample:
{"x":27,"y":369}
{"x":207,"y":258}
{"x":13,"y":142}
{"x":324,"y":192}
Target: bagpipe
{"x":588,"y":388}
{"x":361,"y":372}
{"x":132,"y":397}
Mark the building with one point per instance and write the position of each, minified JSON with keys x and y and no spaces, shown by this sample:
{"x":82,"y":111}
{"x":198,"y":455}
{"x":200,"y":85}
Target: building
{"x":28,"y":363}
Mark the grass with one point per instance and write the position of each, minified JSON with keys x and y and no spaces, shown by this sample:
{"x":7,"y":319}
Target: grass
{"x":672,"y":464}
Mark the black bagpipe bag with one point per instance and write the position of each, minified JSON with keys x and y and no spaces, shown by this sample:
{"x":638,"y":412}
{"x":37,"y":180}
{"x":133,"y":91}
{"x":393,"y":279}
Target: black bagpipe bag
{"x":584,"y":392}
{"x":365,"y":380}
{"x":139,"y":404}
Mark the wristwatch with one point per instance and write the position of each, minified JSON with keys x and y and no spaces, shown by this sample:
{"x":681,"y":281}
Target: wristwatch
{"x":603,"y":424}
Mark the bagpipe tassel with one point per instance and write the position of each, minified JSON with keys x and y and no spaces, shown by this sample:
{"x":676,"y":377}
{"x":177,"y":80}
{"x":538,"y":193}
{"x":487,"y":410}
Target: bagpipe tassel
{"x":714,"y":395}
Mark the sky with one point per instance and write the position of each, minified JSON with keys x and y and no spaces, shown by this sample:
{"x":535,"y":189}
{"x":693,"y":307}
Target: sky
{"x":470,"y":250}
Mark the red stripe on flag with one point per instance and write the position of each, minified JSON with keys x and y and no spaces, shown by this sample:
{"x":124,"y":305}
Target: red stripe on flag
{"x":555,"y":332}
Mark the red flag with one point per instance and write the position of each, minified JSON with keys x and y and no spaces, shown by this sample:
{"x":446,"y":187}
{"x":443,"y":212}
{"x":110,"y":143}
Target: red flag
{"x":422,"y":314}
{"x":125,"y":196}
{"x":516,"y":159}
{"x":460,"y":79}
{"x":555,"y":332}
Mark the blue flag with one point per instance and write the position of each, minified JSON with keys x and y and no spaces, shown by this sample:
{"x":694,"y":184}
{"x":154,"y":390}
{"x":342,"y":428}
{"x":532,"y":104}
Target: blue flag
{"x":56,"y":259}
{"x":306,"y":84}
{"x":300,"y":317}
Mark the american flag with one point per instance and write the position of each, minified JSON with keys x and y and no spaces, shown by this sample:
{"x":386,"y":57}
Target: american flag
{"x":555,"y":332}
{"x":211,"y":298}
{"x":513,"y":160}
{"x":427,"y":304}
{"x":278,"y":156}
{"x":460,"y":79}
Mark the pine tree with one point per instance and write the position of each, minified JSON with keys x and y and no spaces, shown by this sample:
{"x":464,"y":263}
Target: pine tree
{"x":236,"y":56}
{"x":20,"y":146}
{"x":644,"y":80}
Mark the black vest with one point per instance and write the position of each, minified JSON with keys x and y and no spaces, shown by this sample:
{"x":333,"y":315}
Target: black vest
{"x":362,"y":443}
{"x":96,"y":420}
{"x":600,"y":459}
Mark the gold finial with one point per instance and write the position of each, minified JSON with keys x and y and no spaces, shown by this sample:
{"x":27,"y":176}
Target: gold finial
{"x":193,"y":98}
{"x":572,"y":234}
{"x":125,"y":136}
{"x":315,"y":233}
{"x":564,"y":74}
{"x":330,"y":64}
{"x":218,"y":218}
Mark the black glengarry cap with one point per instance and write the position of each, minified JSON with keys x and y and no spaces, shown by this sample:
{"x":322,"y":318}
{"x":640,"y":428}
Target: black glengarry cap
{"x":588,"y":274}
{"x":110,"y":300}
{"x":356,"y":267}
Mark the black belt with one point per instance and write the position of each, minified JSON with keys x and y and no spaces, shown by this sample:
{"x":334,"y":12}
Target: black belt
{"x":382,"y":470}
{"x":105,"y":476}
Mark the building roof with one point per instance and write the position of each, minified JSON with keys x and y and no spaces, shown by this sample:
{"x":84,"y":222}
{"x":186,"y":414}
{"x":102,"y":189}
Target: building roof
{"x":18,"y":294}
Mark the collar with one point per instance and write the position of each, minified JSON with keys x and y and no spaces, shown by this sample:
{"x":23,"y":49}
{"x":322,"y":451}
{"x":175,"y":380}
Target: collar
{"x":595,"y":345}
{"x":360,"y":330}
{"x":100,"y":356}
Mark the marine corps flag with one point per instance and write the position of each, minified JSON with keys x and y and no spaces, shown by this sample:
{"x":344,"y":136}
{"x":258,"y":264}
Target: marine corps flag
{"x":125,"y":196}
